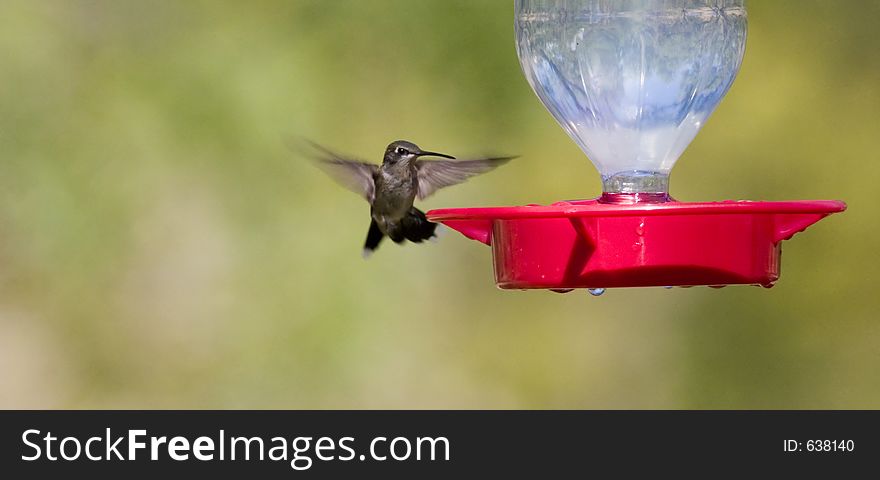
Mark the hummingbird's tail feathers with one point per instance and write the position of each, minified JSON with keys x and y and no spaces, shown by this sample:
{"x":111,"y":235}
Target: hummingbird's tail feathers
{"x":374,"y":236}
{"x":416,"y":227}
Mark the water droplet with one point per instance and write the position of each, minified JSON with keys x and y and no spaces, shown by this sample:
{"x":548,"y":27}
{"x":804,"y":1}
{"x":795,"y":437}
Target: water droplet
{"x":668,"y":287}
{"x":640,"y":230}
{"x":596,"y":291}
{"x":561,"y":290}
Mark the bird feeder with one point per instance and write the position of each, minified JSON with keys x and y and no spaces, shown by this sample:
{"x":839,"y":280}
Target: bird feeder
{"x":632,"y":82}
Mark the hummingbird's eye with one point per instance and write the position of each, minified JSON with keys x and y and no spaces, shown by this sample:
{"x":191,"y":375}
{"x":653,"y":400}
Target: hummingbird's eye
{"x":401,"y":151}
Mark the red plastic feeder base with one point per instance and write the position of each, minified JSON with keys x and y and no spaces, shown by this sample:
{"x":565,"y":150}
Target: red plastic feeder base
{"x":590,"y":244}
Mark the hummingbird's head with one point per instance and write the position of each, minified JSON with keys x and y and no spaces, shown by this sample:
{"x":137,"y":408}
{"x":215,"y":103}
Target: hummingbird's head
{"x":403,"y":151}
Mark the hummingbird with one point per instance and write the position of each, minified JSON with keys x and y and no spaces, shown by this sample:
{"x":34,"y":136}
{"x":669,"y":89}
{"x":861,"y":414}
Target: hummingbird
{"x":392,"y":187}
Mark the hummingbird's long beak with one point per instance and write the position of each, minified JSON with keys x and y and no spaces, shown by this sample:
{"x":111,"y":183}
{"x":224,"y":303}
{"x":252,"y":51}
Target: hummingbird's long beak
{"x":433,"y":154}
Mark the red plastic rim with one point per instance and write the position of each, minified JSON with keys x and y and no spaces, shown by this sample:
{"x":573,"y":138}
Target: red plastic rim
{"x":593,"y":208}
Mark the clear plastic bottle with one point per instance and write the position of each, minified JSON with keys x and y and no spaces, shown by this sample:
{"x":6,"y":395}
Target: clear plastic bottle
{"x":631,"y":81}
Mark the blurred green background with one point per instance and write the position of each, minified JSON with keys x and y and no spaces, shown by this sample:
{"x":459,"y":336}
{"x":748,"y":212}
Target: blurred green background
{"x":160,"y":247}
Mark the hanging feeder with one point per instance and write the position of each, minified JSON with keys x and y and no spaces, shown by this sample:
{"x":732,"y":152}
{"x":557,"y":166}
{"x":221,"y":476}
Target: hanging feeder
{"x":632,"y":82}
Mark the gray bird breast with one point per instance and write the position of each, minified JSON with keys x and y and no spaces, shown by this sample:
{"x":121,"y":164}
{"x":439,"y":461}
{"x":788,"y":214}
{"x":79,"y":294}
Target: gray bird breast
{"x":395,"y":192}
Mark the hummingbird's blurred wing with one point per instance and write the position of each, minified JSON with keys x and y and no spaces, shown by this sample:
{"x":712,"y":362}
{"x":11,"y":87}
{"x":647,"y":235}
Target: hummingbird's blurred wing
{"x":357,"y":176}
{"x":436,"y":174}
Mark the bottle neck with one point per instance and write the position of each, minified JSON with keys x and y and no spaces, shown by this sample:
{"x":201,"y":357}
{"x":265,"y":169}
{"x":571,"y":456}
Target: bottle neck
{"x":637,"y":186}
